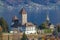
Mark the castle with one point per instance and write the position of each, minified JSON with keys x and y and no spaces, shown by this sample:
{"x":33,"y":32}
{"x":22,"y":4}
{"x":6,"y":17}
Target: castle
{"x":27,"y":27}
{"x":24,"y":25}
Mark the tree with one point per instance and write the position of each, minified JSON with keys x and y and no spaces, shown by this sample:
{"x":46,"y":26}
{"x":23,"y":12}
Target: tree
{"x":4,"y":24}
{"x":42,"y":26}
{"x":24,"y":37}
{"x":55,"y":33}
{"x":0,"y":33}
{"x":58,"y":28}
{"x":0,"y":29}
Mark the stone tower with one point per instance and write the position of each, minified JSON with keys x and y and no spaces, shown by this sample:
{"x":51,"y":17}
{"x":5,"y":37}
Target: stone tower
{"x":24,"y":16}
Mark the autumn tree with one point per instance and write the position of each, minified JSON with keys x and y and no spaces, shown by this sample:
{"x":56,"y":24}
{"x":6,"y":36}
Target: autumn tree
{"x":0,"y":33}
{"x":4,"y":24}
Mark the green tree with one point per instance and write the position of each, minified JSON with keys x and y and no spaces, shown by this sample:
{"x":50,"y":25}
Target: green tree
{"x":58,"y":28}
{"x":4,"y":24}
{"x":24,"y":37}
{"x":55,"y":33}
{"x":43,"y":26}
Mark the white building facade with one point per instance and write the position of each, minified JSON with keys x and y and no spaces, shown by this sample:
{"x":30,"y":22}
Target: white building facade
{"x":30,"y":28}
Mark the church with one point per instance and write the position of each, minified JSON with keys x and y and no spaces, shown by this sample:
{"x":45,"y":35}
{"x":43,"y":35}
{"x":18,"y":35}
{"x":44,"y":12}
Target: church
{"x":24,"y":26}
{"x":49,"y":27}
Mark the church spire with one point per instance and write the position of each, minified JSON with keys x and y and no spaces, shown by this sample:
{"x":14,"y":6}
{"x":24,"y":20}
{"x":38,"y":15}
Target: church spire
{"x":47,"y":11}
{"x":47,"y":17}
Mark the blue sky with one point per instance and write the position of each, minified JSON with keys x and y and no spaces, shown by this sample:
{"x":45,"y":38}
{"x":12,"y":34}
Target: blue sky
{"x":36,"y":10}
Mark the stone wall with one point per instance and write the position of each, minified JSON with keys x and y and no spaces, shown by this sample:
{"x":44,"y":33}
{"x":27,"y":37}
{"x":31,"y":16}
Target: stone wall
{"x":7,"y":36}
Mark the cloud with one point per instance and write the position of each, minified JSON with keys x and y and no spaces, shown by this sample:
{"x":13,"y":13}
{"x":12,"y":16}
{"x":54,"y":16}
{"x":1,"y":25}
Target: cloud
{"x":31,"y":6}
{"x":10,"y":8}
{"x":58,"y":3}
{"x":43,"y":7}
{"x":1,"y":4}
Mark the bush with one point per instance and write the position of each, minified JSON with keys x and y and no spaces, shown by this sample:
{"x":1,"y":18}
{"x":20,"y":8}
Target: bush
{"x":47,"y":31}
{"x":24,"y":37}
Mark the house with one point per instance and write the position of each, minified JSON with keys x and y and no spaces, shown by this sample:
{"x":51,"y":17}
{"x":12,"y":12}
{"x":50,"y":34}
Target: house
{"x":30,"y":28}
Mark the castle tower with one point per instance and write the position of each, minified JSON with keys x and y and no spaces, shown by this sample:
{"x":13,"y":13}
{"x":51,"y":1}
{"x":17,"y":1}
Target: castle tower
{"x":24,"y":16}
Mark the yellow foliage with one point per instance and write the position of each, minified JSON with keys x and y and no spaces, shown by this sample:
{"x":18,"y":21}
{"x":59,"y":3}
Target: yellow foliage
{"x":0,"y":29}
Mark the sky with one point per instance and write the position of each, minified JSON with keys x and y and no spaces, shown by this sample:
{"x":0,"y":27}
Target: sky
{"x":37,"y":10}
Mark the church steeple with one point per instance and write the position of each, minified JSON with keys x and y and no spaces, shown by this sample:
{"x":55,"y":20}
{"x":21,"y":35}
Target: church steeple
{"x":47,"y":17}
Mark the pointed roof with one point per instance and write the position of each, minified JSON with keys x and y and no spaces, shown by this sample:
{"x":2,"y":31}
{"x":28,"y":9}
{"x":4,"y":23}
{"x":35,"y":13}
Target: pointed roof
{"x":15,"y":18}
{"x":47,"y":17}
{"x":23,"y":11}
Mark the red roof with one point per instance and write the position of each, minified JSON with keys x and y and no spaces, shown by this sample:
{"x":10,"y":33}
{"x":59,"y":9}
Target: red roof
{"x":15,"y":18}
{"x":23,"y":11}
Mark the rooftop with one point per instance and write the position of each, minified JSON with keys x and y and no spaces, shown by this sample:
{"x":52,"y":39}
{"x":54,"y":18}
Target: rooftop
{"x":23,"y":11}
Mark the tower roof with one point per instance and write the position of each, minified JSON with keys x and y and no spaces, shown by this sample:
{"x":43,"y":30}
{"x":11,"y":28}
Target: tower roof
{"x":23,"y":11}
{"x":47,"y":17}
{"x":14,"y":18}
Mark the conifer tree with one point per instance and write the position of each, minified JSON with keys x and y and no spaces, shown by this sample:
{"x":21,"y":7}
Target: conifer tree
{"x":24,"y":37}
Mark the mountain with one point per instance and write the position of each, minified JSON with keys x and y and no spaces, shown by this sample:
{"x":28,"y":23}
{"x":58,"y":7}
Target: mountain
{"x":36,"y":10}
